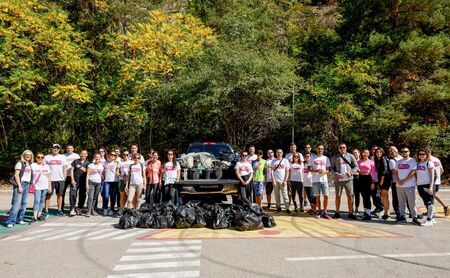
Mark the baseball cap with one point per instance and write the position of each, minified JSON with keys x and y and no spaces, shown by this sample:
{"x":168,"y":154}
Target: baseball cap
{"x":56,"y":146}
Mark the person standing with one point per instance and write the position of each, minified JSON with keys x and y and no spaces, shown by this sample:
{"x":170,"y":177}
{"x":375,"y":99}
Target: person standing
{"x":393,"y":158}
{"x":172,"y":171}
{"x":439,"y":170}
{"x":406,"y":185}
{"x":136,"y":182}
{"x":383,"y":181}
{"x":425,"y":184}
{"x":111,"y":184}
{"x":78,"y":183}
{"x":356,"y":186}
{"x":251,"y":158}
{"x":41,"y":179}
{"x":366,"y":182}
{"x":320,"y":166}
{"x":94,"y":178}
{"x":269,"y":180}
{"x":70,"y":157}
{"x":154,"y":177}
{"x":58,"y":166}
{"x":22,"y":178}
{"x":134,"y":149}
{"x":343,"y":166}
{"x":293,"y":150}
{"x":296,"y":181}
{"x":380,"y":174}
{"x":244,"y":173}
{"x":259,"y":176}
{"x":124,"y":171}
{"x":307,"y":184}
{"x":280,"y":175}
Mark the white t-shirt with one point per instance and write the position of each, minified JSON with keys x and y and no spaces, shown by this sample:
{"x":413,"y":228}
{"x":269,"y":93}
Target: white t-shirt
{"x":96,"y":172}
{"x":251,"y":158}
{"x":70,"y":158}
{"x":290,"y":157}
{"x":392,"y":163}
{"x":26,"y":177}
{"x":170,"y":172}
{"x":437,"y":167}
{"x":124,"y":168}
{"x":110,"y":171}
{"x":269,"y":170}
{"x":42,"y":183}
{"x":422,"y":172}
{"x":56,"y":163}
{"x":296,"y":172}
{"x":345,"y":168}
{"x":404,"y":167}
{"x":279,"y":172}
{"x":319,"y":163}
{"x":136,"y":174}
{"x":244,"y":168}
{"x":307,"y":176}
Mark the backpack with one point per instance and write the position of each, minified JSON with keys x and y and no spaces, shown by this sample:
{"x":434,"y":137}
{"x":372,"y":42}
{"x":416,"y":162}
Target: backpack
{"x":12,"y":180}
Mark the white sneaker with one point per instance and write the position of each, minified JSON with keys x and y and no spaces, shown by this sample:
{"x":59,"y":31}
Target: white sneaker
{"x":105,"y":212}
{"x":10,"y":226}
{"x":110,"y":212}
{"x":72,"y":213}
{"x":21,"y":223}
{"x":433,"y":220}
{"x":427,"y":223}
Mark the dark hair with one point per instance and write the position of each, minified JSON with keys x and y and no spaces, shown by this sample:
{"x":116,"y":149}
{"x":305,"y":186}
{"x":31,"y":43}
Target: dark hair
{"x":379,"y":162}
{"x":173,"y":157}
{"x":260,"y":152}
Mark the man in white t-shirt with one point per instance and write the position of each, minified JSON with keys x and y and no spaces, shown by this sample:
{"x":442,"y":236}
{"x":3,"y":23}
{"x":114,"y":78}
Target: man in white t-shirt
{"x":405,"y":172}
{"x":393,"y":158}
{"x":439,"y":170}
{"x":71,"y":156}
{"x":280,"y":175}
{"x":58,"y":167}
{"x":320,"y":166}
{"x":269,"y":181}
{"x":251,"y":158}
{"x":293,"y":150}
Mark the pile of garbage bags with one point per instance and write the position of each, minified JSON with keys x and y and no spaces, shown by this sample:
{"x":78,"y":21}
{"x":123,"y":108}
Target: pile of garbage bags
{"x":195,"y":215}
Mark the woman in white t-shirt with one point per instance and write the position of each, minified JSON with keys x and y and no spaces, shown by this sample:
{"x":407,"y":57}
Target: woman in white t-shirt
{"x":171,"y":174}
{"x":296,"y":181}
{"x":244,"y":173}
{"x":94,"y":178}
{"x":307,"y":184}
{"x":136,"y":182}
{"x":22,"y":178}
{"x":110,"y":185}
{"x":42,"y":181}
{"x":425,"y":183}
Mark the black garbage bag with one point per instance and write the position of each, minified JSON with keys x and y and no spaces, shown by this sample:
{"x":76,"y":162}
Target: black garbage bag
{"x":163,"y":221}
{"x":200,"y":218}
{"x":146,"y":220}
{"x":184,"y":217}
{"x":145,"y":207}
{"x":231,"y":211}
{"x":194,"y":203}
{"x":166,"y":209}
{"x":216,"y":217}
{"x":255,"y":208}
{"x":129,"y":219}
{"x":247,"y":221}
{"x":268,"y":221}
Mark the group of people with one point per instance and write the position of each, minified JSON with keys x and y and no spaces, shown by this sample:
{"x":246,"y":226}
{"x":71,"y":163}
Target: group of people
{"x":121,"y":177}
{"x":370,"y":174}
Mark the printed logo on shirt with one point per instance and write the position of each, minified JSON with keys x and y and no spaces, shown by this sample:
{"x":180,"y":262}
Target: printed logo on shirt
{"x":296,"y":167}
{"x":135,"y":169}
{"x":55,"y":162}
{"x":319,"y":162}
{"x":244,"y":168}
{"x":109,"y":167}
{"x":403,"y":166}
{"x":280,"y":167}
{"x":97,"y":171}
{"x":343,"y":162}
{"x":27,"y":170}
{"x":83,"y":169}
{"x":44,"y":171}
{"x":170,"y":168}
{"x":436,"y":164}
{"x":421,"y":168}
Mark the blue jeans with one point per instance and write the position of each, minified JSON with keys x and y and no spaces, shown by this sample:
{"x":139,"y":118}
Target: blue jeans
{"x":109,"y":190}
{"x":18,"y":207}
{"x":39,"y":200}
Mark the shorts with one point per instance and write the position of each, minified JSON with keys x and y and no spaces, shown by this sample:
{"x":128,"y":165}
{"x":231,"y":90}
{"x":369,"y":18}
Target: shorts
{"x":386,"y":184}
{"x":58,"y":187}
{"x":121,"y":185}
{"x":269,"y":188}
{"x":340,"y":185}
{"x":436,"y":188}
{"x":321,"y":187}
{"x":258,"y":187}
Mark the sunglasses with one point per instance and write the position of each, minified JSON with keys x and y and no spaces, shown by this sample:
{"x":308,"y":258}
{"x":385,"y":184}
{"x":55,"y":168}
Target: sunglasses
{"x":39,"y":157}
{"x":422,"y":154}
{"x":342,"y":147}
{"x":405,"y":151}
{"x":170,"y":154}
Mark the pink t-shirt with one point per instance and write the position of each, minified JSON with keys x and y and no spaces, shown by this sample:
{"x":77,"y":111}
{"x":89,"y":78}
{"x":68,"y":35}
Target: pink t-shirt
{"x":154,"y":170}
{"x":367,"y":166}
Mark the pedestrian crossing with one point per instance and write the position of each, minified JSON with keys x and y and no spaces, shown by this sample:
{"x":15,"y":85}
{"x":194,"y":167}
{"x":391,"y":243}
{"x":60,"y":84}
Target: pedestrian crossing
{"x":158,"y":258}
{"x":76,"y":231}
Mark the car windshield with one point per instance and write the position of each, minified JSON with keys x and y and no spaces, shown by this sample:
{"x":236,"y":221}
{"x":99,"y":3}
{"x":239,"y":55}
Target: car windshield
{"x":216,"y":150}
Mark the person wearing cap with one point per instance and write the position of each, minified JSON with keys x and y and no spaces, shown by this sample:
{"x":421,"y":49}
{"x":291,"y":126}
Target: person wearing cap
{"x":58,"y":168}
{"x":71,"y":156}
{"x":405,"y":171}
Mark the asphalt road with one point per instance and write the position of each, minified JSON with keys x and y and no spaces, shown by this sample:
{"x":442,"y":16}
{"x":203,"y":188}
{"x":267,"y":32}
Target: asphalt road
{"x":298,"y":246}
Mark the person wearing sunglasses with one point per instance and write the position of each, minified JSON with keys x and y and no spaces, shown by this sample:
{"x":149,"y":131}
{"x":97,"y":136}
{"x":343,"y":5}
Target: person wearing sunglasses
{"x":78,"y":183}
{"x":22,"y":178}
{"x":259,"y":176}
{"x":366,"y":182}
{"x":154,"y":179}
{"x":296,"y":181}
{"x":319,"y":167}
{"x":307,"y":184}
{"x":356,"y":187}
{"x":172,"y":171}
{"x":124,"y":169}
{"x":425,"y":175}
{"x":269,"y":180}
{"x":111,"y":184}
{"x":94,"y":178}
{"x":405,"y":170}
{"x":393,"y":158}
{"x":58,"y":166}
{"x":439,"y":170}
{"x":280,"y":175}
{"x":136,"y":182}
{"x":244,"y":173}
{"x":344,"y":164}
{"x":42,"y":180}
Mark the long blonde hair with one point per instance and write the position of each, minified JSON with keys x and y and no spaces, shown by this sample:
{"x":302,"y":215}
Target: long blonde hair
{"x":22,"y":157}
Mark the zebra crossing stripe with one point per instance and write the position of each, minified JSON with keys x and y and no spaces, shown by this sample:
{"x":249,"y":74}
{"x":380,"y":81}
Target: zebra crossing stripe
{"x":102,"y":224}
{"x":159,"y":256}
{"x":131,"y":234}
{"x":156,"y":265}
{"x":66,"y":234}
{"x":164,"y":249}
{"x":166,"y":242}
{"x":21,"y":235}
{"x":179,"y":274}
{"x":90,"y":234}
{"x":32,"y":237}
{"x":113,"y":233}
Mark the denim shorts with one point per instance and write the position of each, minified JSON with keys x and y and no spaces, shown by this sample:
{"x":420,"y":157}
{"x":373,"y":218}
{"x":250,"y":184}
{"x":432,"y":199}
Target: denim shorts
{"x":258,"y":187}
{"x":321,"y":187}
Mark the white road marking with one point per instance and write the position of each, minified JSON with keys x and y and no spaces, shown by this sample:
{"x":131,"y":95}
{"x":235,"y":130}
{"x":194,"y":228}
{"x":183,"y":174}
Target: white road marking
{"x":22,"y":235}
{"x":355,"y":257}
{"x":156,"y":265}
{"x":90,"y":234}
{"x":164,"y":249}
{"x":66,"y":234}
{"x":113,"y":233}
{"x":31,"y":236}
{"x":180,"y":274}
{"x":131,"y":234}
{"x":79,"y":224}
{"x":166,"y":242}
{"x":159,"y":257}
